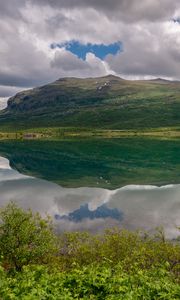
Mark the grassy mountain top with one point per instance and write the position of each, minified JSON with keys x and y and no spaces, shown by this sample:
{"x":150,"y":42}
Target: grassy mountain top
{"x":108,"y":102}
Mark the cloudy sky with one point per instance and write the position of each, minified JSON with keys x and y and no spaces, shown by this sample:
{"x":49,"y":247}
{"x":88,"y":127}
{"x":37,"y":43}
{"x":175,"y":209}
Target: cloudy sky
{"x":42,"y":40}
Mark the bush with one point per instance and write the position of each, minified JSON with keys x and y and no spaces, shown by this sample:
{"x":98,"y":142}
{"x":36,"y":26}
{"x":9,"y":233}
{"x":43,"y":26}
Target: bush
{"x":90,"y":282}
{"x":119,"y":246}
{"x":25,"y":238}
{"x":115,"y":265}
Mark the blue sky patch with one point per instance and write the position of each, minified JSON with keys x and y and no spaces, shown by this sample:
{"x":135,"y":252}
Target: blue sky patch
{"x":99,"y":50}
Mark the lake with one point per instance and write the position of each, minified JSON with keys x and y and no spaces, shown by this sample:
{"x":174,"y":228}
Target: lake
{"x":93,"y":184}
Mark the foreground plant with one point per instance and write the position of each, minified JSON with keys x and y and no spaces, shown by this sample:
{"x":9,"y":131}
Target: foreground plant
{"x":25,"y":238}
{"x":38,"y":264}
{"x":90,"y":282}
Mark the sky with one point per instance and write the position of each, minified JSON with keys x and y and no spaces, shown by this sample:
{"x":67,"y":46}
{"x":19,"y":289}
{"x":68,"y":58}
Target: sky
{"x":43,"y":40}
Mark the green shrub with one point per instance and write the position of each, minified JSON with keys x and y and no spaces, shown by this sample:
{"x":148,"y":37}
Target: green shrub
{"x":36,"y":264}
{"x":90,"y":282}
{"x":25,"y":237}
{"x":119,"y":246}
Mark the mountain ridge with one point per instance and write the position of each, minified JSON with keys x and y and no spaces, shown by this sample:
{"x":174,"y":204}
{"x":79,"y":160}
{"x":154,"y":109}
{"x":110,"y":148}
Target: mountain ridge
{"x":102,"y":102}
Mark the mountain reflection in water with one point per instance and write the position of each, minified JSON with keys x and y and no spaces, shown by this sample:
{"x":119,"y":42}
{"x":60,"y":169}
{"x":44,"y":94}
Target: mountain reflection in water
{"x":84,"y":212}
{"x":94,"y":209}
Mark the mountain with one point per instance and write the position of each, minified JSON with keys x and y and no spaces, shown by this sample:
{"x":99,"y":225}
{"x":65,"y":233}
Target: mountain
{"x":162,"y":81}
{"x":104,"y":102}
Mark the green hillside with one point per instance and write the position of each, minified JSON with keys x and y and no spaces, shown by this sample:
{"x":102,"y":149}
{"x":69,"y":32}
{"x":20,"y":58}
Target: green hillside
{"x":105,"y":103}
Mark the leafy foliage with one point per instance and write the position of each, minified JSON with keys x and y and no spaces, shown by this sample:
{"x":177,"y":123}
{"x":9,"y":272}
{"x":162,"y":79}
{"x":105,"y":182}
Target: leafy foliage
{"x":115,"y":265}
{"x":91,"y":282}
{"x":25,"y":237}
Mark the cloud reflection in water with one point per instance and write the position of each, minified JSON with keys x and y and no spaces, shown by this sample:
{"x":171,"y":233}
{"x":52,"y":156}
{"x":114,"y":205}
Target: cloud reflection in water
{"x":94,"y":209}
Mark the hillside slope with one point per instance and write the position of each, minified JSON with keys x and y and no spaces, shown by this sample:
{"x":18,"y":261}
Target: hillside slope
{"x":105,"y":102}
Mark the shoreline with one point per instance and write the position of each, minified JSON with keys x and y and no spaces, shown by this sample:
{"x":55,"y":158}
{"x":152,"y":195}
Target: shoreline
{"x":58,"y":133}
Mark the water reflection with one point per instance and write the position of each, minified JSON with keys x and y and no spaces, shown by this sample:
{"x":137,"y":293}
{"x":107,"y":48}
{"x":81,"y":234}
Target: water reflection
{"x":93,"y":209}
{"x":109,"y":164}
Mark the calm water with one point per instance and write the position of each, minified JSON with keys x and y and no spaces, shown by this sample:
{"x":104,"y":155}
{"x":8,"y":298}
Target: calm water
{"x":92,"y":185}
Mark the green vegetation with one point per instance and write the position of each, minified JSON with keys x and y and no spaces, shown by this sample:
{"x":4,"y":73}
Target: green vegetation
{"x":38,"y":263}
{"x":60,"y":133}
{"x":107,"y":163}
{"x":92,"y":282}
{"x":25,"y":238}
{"x":95,"y":104}
{"x":114,"y":265}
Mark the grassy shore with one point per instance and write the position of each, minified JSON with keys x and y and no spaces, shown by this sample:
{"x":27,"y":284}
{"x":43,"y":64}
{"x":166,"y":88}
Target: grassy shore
{"x":56,"y":133}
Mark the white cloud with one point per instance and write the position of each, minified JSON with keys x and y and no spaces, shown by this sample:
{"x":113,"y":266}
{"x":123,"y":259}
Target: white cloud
{"x":3,"y":102}
{"x":151,"y":40}
{"x":138,"y":204}
{"x":151,"y":50}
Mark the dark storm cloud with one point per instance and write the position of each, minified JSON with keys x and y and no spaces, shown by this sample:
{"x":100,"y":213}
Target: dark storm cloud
{"x":127,"y":10}
{"x":9,"y":8}
{"x":23,"y":80}
{"x":7,"y":91}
